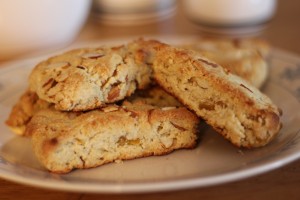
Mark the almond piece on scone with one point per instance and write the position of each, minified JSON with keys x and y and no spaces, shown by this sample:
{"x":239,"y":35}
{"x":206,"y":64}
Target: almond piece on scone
{"x":234,"y":108}
{"x":63,"y":141}
{"x":246,"y":58}
{"x":87,"y":78}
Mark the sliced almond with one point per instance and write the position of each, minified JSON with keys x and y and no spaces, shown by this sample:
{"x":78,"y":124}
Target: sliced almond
{"x":109,"y":108}
{"x":167,"y":108}
{"x":113,"y":93}
{"x":93,"y":55}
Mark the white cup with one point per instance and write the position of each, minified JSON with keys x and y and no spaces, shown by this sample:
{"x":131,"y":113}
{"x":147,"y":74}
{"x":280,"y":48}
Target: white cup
{"x":31,"y":25}
{"x":229,"y":13}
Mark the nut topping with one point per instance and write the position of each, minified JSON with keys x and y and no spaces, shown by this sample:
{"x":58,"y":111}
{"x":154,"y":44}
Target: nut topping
{"x":92,"y":55}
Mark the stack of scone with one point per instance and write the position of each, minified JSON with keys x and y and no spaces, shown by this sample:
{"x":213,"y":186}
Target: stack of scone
{"x":92,"y":106}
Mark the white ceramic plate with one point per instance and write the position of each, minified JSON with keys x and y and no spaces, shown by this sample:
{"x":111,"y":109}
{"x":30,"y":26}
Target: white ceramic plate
{"x":214,"y":161}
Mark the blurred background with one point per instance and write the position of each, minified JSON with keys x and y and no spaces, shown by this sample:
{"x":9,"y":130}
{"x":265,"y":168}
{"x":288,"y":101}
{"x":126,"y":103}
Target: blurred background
{"x":34,"y":27}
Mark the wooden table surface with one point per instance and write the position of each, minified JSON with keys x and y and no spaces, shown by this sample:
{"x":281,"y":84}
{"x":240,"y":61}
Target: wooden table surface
{"x":283,"y":183}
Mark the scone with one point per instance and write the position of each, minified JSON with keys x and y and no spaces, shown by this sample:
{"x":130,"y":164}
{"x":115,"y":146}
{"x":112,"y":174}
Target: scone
{"x":21,"y":113}
{"x":234,"y":108}
{"x":246,"y":58}
{"x":29,"y":103}
{"x":87,"y":78}
{"x":63,"y":141}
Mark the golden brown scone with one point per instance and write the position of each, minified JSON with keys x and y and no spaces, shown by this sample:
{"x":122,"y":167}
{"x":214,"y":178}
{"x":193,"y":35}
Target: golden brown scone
{"x":246,"y":58}
{"x":87,"y":78}
{"x":63,"y":141}
{"x":21,"y":113}
{"x":234,"y":108}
